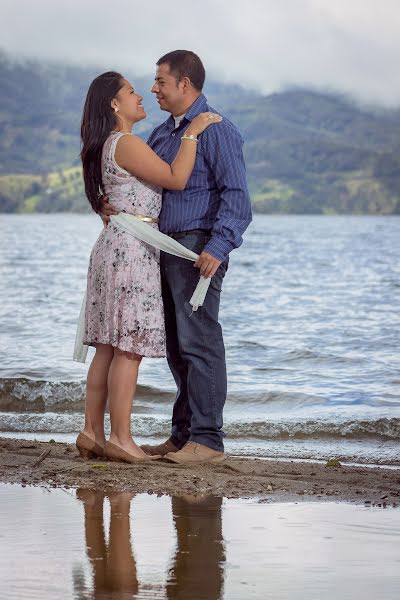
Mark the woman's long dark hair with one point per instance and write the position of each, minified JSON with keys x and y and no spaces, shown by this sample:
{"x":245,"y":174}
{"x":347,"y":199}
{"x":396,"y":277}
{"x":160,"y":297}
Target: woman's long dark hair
{"x":98,"y":120}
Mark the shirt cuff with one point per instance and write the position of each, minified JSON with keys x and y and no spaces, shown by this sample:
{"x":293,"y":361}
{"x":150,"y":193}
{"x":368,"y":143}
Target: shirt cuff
{"x":218,"y":248}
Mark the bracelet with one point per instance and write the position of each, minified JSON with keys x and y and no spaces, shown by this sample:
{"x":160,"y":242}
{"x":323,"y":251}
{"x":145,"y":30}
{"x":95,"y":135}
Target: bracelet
{"x":189,"y":137}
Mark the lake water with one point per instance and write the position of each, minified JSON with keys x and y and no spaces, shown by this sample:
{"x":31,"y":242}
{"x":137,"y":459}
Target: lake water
{"x":89,"y":544}
{"x":310,"y":312}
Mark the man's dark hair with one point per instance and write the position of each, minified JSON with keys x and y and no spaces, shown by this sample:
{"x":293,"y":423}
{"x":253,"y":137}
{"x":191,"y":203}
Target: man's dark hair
{"x":184,"y":63}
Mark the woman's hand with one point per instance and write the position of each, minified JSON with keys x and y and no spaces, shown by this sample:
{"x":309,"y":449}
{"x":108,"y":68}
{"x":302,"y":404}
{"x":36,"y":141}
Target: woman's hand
{"x":106,"y":210}
{"x":201,"y":122}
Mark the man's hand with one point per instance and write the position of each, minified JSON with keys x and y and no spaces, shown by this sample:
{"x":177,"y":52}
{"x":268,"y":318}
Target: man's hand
{"x":207,"y":264}
{"x":106,"y":210}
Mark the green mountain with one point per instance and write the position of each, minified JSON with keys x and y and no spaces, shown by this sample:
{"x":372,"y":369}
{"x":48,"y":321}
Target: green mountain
{"x":306,"y":152}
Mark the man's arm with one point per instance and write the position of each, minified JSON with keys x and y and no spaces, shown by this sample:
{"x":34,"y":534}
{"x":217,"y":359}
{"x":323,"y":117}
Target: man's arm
{"x":223,"y":151}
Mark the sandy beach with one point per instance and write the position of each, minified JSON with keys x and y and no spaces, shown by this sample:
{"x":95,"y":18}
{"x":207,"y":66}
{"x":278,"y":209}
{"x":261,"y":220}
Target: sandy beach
{"x":271,"y":481}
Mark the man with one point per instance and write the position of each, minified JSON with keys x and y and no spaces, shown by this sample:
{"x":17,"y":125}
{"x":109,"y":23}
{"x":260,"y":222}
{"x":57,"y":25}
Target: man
{"x":208,"y":217}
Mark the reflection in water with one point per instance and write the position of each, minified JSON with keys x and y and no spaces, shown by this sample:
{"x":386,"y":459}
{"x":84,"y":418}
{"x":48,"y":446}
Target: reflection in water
{"x":113,"y":566}
{"x":198,"y":566}
{"x":276,"y":551}
{"x":197,"y":571}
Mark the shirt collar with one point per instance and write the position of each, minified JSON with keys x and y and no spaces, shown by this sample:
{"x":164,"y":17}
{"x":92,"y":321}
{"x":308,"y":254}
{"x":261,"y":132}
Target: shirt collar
{"x":198,"y":106}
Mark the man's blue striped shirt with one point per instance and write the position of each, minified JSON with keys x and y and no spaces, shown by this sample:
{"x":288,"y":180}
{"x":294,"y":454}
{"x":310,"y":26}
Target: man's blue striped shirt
{"x":216,"y":196}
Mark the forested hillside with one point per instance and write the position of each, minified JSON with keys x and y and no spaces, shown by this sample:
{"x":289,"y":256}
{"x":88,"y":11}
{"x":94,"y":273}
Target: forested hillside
{"x":306,"y":152}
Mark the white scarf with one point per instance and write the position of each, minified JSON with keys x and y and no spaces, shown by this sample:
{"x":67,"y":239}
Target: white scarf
{"x":143,"y":232}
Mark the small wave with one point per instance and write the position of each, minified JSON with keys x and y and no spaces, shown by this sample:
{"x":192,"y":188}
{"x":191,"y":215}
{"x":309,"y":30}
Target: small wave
{"x":23,"y":395}
{"x":143,"y":426}
{"x":382,"y":402}
{"x":250,"y":344}
{"x":271,"y":369}
{"x":29,"y":395}
{"x":276,"y":400}
{"x":300,"y":355}
{"x":384,"y":429}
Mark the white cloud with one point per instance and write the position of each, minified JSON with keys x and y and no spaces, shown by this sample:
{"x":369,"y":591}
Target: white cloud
{"x":351,"y":46}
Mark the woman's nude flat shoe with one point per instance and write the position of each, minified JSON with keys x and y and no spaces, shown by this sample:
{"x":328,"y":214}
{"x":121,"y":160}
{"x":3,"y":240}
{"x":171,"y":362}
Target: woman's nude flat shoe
{"x":115,"y":453}
{"x":88,"y":448}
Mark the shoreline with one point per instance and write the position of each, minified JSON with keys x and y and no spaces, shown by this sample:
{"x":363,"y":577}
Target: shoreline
{"x":268,"y":480}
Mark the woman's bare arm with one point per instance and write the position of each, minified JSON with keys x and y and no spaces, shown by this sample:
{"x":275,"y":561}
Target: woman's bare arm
{"x":135,"y":156}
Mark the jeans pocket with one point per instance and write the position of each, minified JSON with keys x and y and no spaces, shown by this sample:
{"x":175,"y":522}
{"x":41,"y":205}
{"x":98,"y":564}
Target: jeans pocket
{"x":194,"y":242}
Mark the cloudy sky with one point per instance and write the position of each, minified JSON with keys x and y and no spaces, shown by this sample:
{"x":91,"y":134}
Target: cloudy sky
{"x":351,"y":46}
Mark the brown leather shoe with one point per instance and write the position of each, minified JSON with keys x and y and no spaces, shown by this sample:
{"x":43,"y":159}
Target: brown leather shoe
{"x":195,"y":454}
{"x":115,"y":453}
{"x":161,"y":449}
{"x":88,"y":448}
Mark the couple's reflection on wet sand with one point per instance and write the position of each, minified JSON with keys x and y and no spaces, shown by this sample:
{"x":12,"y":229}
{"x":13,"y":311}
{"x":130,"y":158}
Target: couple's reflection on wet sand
{"x":113,"y":565}
{"x":199,"y":561}
{"x":197,"y":568}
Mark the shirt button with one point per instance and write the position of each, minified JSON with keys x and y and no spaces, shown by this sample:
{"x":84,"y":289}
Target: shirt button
{"x":173,"y":135}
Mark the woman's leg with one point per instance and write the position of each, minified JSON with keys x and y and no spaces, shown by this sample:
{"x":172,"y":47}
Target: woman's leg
{"x":122,"y":379}
{"x":121,"y":565}
{"x":97,"y":392}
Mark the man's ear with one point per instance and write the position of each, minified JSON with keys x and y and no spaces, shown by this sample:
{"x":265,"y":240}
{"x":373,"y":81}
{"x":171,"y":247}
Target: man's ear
{"x":187,"y":84}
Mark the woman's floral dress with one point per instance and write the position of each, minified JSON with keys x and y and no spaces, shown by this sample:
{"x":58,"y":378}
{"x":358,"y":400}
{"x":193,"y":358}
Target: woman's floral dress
{"x":124,"y":305}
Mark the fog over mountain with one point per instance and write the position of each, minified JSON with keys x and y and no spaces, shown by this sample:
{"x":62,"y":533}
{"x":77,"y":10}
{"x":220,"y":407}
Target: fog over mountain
{"x":350,"y":46}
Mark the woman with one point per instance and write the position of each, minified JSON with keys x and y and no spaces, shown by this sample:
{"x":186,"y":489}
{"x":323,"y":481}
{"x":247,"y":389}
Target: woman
{"x":124,"y":311}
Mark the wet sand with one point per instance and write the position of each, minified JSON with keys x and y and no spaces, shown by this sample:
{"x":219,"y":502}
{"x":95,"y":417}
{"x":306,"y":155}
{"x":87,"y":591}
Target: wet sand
{"x":268,"y":480}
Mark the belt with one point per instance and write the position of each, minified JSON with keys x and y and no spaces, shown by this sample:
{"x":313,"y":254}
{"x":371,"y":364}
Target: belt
{"x":181,"y":234}
{"x":146,"y":219}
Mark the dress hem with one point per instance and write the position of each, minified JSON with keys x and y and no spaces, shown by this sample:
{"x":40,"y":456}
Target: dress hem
{"x":93,"y":344}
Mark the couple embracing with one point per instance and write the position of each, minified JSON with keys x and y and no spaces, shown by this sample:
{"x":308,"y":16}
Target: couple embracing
{"x":189,"y":181}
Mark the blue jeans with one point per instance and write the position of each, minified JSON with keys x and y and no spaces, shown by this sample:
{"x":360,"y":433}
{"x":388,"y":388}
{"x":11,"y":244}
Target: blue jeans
{"x":195,"y":349}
